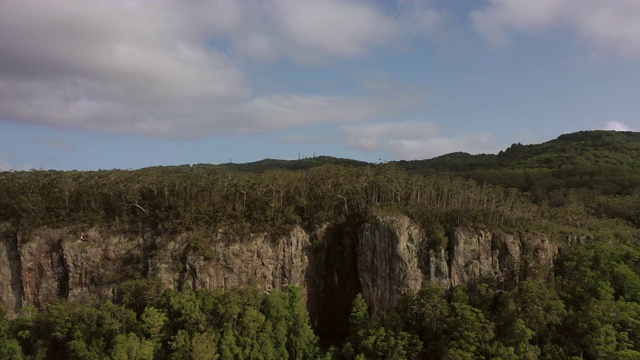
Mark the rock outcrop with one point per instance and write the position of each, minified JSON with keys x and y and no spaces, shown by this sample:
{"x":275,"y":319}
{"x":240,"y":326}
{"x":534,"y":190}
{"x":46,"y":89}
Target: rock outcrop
{"x":257,"y":260}
{"x":382,"y":258}
{"x":394,"y":256}
{"x":48,"y":264}
{"x":389,"y":260}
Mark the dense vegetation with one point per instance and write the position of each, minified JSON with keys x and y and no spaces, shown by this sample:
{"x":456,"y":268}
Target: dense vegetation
{"x":178,"y":199}
{"x":580,"y":186}
{"x":145,"y":323}
{"x":588,"y":310}
{"x":604,"y":161}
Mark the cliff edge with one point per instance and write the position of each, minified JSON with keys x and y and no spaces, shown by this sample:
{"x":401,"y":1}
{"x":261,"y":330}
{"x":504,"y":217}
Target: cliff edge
{"x":382,"y":258}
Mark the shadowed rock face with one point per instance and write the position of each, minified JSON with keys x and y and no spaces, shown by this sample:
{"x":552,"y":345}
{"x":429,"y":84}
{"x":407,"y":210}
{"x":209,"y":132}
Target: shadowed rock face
{"x":382,"y":258}
{"x":333,"y":282}
{"x":11,"y":290}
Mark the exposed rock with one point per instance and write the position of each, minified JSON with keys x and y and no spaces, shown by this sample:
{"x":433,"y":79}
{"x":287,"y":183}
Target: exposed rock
{"x":44,"y":276}
{"x":476,"y":253}
{"x":256,"y":260}
{"x":94,"y":263}
{"x":388,"y":260}
{"x":382,"y":258}
{"x":540,"y":254}
{"x":438,"y":266}
{"x":394,"y":256}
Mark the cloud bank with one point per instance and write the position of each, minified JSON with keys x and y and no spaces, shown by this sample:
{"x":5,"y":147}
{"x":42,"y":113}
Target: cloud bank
{"x":608,"y":26}
{"x":174,"y":69}
{"x":183,"y":69}
{"x":414,"y":139}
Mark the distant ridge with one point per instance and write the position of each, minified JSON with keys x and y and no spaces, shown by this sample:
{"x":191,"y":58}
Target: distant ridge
{"x":301,"y":164}
{"x":580,"y":148}
{"x":583,"y":148}
{"x":607,"y":161}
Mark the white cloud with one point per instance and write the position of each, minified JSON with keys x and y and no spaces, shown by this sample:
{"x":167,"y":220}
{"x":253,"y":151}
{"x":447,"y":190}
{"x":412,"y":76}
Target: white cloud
{"x":277,"y":112}
{"x":334,"y":27}
{"x":610,"y":25}
{"x":370,"y":137}
{"x":618,"y":126}
{"x":318,"y":31}
{"x":156,"y":68}
{"x":108,"y":65}
{"x":306,"y":139}
{"x":414,"y":140}
{"x":417,"y":17}
{"x":474,"y":143}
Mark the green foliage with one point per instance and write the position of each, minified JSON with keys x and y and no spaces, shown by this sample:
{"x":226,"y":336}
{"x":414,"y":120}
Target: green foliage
{"x":10,"y":350}
{"x":579,"y":314}
{"x":137,"y":295}
{"x":240,"y":324}
{"x":539,"y":307}
{"x":592,"y":171}
{"x":131,"y":347}
{"x":376,"y":338}
{"x":202,"y":201}
{"x":359,"y":317}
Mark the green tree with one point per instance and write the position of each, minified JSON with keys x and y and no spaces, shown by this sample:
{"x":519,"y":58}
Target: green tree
{"x":359,"y":316}
{"x":539,"y":307}
{"x":302,"y":342}
{"x":229,"y":349}
{"x":204,"y":346}
{"x":10,"y":349}
{"x":275,"y":308}
{"x":131,"y":347}
{"x":469,"y":333}
{"x":423,"y":314}
{"x":370,"y":339}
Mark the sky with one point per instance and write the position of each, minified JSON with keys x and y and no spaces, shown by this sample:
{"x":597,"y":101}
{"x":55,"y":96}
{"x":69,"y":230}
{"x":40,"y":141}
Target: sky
{"x":127,"y":84}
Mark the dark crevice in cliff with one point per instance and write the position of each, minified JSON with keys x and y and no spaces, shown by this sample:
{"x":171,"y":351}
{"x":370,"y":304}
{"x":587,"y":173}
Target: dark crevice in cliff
{"x":149,"y":248}
{"x":333,"y":282}
{"x":60,"y":269}
{"x":425,"y":254}
{"x":186,"y":278}
{"x":15,"y":264}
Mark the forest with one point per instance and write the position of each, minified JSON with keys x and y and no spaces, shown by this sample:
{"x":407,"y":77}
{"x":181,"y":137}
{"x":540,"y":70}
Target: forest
{"x":582,"y":186}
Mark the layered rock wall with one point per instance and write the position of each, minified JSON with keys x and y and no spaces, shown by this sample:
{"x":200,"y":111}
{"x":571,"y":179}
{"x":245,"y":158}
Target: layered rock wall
{"x":382,"y":258}
{"x":394,"y":256}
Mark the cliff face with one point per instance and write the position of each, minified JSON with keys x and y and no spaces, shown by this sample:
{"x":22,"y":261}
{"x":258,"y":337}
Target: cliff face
{"x":394,"y":256}
{"x":390,"y":260}
{"x":224,"y":264}
{"x":382,"y":258}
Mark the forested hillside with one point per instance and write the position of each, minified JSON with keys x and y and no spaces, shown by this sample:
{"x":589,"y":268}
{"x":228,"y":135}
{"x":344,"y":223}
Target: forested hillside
{"x":605,"y":161}
{"x":581,"y":190}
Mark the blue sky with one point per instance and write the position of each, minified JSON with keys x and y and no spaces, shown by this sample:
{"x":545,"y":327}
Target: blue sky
{"x":106,"y":84}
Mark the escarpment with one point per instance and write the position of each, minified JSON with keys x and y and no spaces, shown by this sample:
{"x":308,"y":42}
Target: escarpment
{"x":395,"y":256}
{"x":382,"y":258}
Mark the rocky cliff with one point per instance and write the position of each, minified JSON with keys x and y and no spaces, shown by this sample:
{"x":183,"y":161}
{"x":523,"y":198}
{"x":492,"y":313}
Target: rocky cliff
{"x":395,"y":256}
{"x":382,"y":258}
